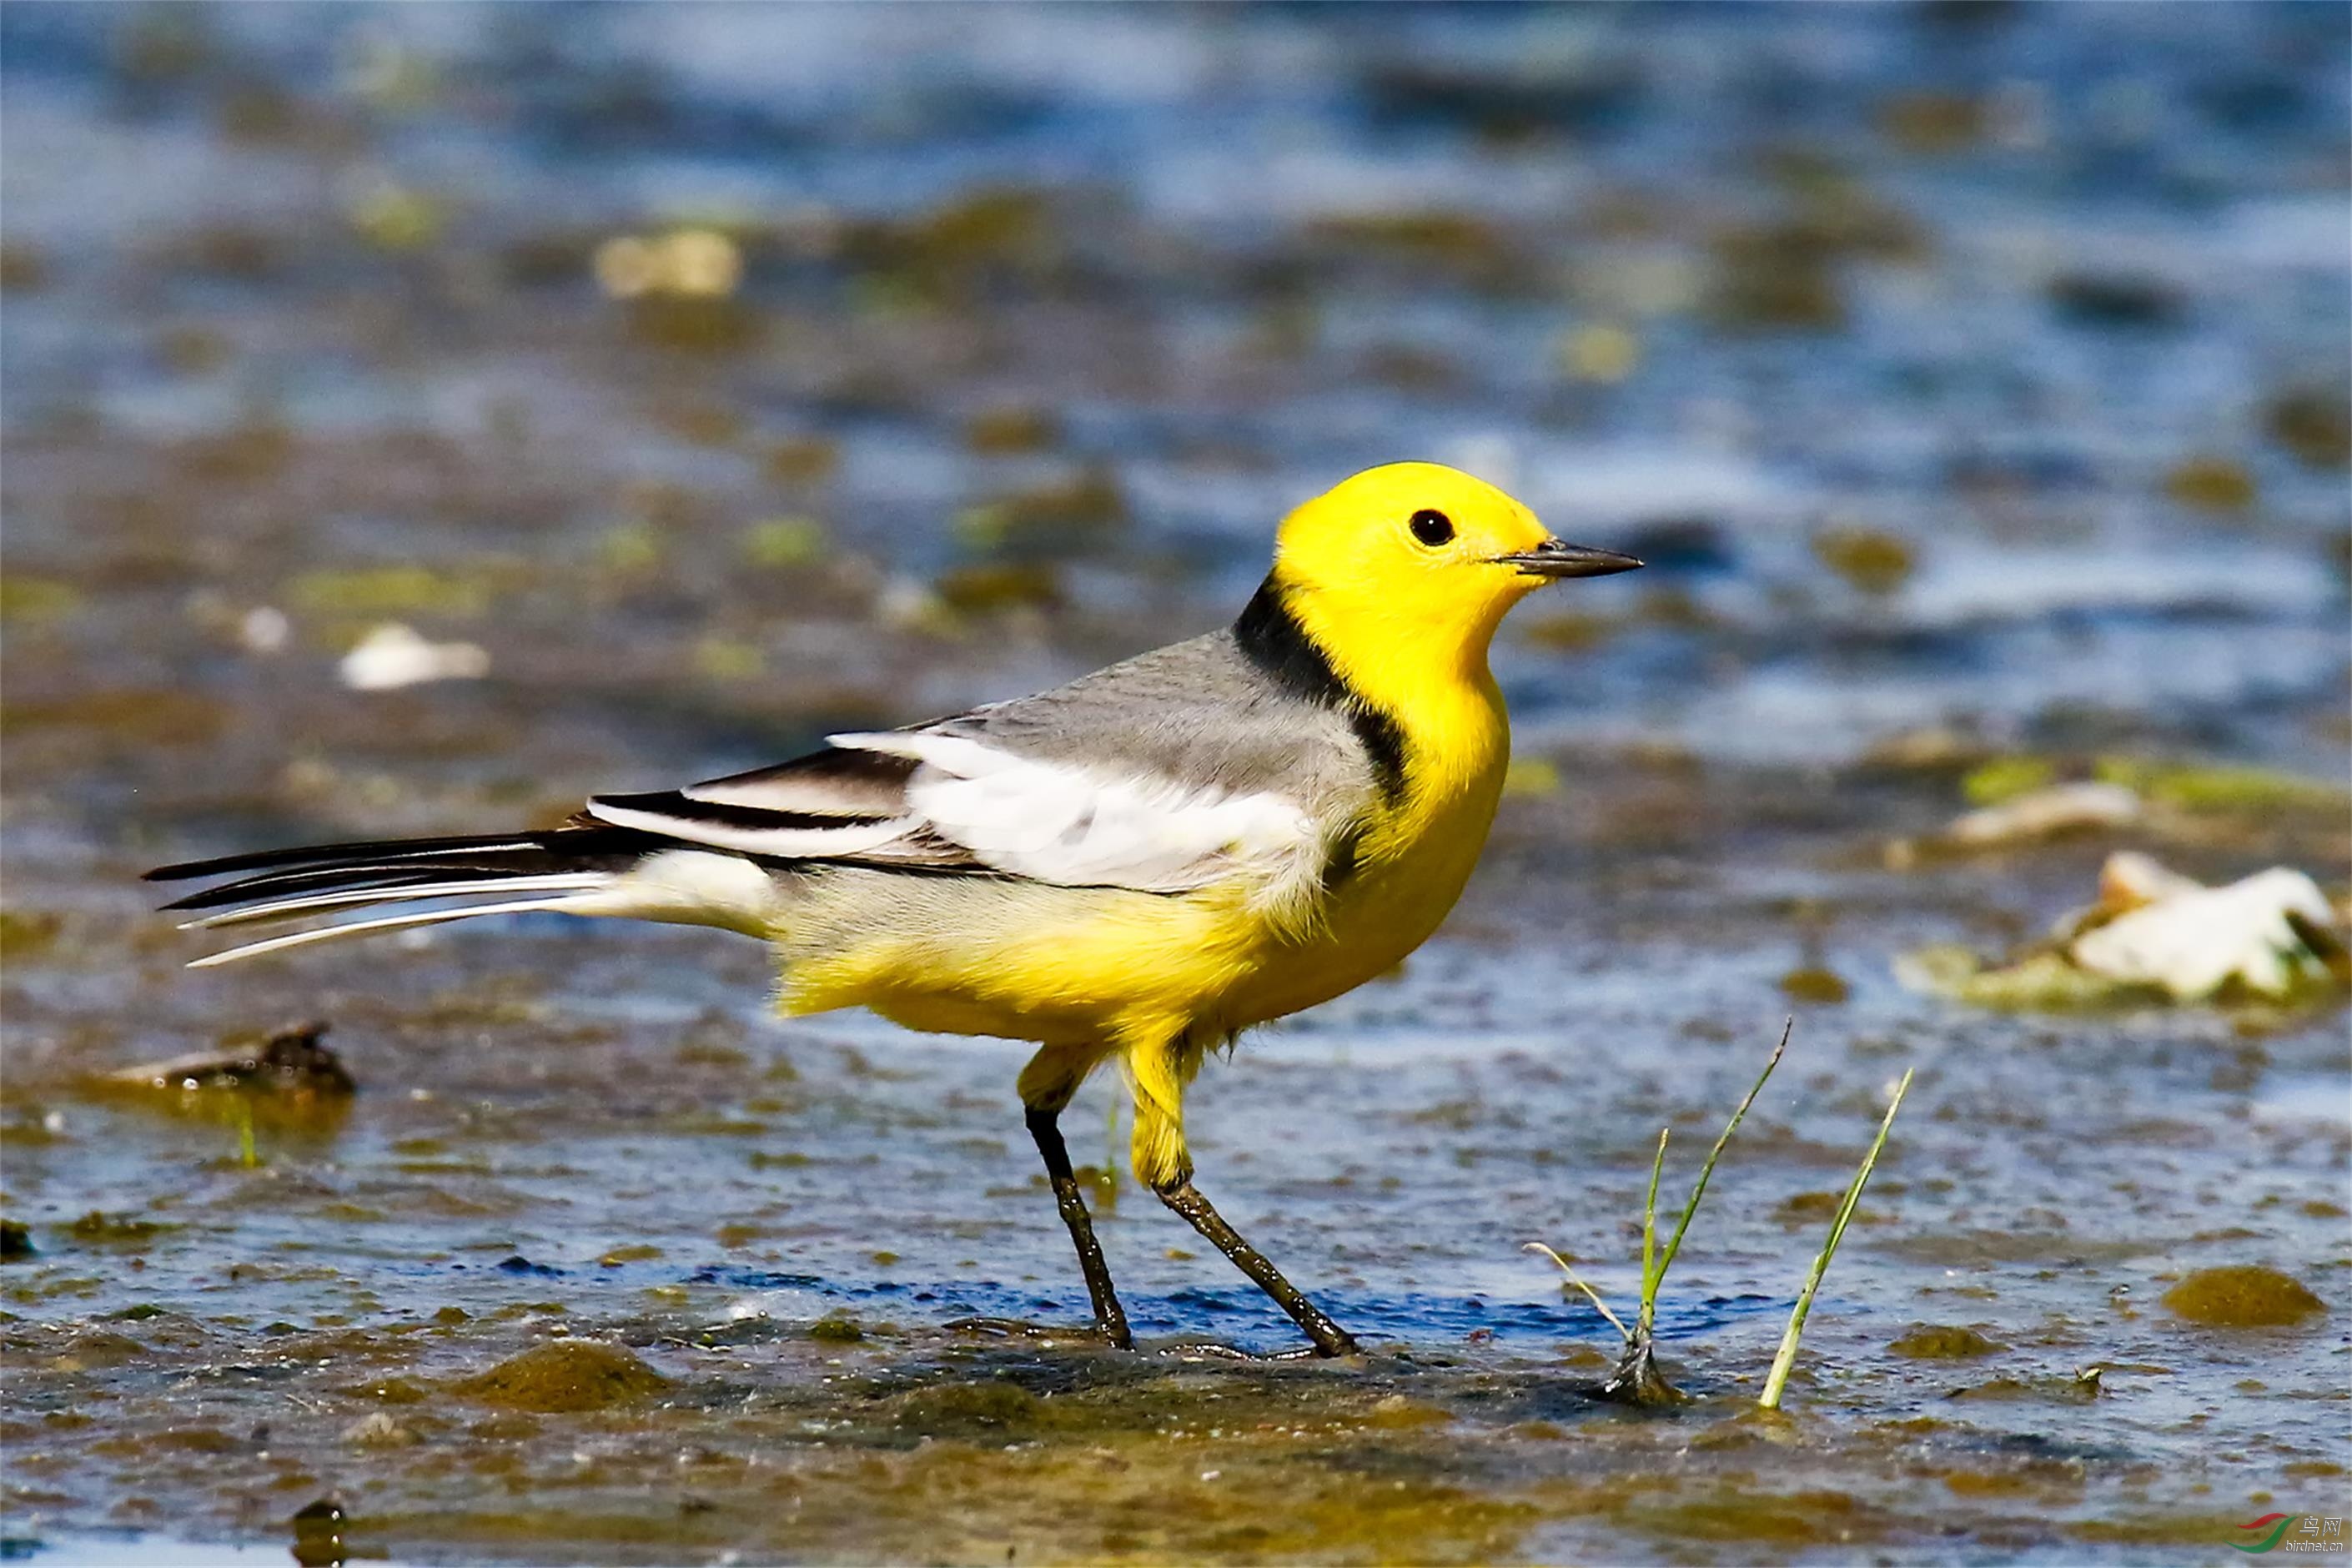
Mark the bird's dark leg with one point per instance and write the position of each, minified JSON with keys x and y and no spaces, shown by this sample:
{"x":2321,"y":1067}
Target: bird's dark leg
{"x":1329,"y":1338}
{"x":1111,"y":1319}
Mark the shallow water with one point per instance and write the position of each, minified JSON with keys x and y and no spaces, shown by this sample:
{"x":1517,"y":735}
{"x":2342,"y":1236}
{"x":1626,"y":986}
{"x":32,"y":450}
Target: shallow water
{"x":1228,"y":256}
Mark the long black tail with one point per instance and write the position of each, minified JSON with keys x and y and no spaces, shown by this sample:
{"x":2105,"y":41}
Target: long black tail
{"x":559,"y":868}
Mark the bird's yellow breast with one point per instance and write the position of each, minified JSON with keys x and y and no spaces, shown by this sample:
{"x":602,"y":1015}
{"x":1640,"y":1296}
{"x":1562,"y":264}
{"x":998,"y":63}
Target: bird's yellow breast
{"x":1412,"y":861}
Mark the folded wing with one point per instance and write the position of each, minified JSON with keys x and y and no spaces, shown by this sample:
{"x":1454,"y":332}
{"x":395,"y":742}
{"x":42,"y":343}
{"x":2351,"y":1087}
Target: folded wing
{"x":920,"y":799}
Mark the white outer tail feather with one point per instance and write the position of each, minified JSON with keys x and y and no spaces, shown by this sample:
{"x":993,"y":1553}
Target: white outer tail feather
{"x":368,"y":928}
{"x":680,"y":887}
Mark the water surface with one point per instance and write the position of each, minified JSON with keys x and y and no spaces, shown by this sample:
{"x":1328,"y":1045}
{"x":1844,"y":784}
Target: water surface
{"x":1971,"y":377}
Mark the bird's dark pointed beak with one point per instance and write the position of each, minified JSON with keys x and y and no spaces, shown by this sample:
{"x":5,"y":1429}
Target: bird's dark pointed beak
{"x":1558,"y":558}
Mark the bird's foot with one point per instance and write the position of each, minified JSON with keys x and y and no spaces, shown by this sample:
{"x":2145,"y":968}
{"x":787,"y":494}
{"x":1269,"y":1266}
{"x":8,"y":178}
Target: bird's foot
{"x":1216,"y":1350}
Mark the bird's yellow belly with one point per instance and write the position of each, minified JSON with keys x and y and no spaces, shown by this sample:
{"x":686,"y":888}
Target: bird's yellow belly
{"x":1023,"y":961}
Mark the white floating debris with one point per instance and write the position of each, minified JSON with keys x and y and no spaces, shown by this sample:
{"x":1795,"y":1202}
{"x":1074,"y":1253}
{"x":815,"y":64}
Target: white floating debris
{"x":2041,"y":813}
{"x":2154,"y":933}
{"x":691,"y":263}
{"x":2128,"y":880}
{"x":264,"y":629}
{"x":905,"y":604}
{"x":394,"y":656}
{"x":2192,"y":940}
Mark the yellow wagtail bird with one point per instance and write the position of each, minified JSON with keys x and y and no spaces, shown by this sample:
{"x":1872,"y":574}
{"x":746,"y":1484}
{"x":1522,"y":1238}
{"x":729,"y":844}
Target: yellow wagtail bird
{"x":1136,"y":866}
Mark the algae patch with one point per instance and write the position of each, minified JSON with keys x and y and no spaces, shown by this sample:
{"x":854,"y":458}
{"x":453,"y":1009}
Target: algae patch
{"x":1932,"y":1341}
{"x":2243,"y":1298}
{"x":837,"y":1328}
{"x":566,"y":1376}
{"x":99,"y":1229}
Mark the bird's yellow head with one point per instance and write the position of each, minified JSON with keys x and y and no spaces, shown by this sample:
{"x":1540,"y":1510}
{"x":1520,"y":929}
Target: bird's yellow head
{"x":1417,"y":562}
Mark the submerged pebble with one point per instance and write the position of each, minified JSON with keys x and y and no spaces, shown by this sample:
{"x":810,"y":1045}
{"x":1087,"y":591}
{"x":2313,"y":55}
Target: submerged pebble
{"x":2211,"y":484}
{"x":1814,"y":983}
{"x":2313,"y":423}
{"x":380,"y":1429}
{"x":2081,"y":1388}
{"x":295,"y":1060}
{"x":1870,"y":560}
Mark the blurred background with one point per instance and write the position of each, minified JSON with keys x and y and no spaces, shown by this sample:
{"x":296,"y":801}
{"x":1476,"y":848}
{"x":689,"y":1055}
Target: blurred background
{"x":720,"y":374}
{"x":418,"y":418}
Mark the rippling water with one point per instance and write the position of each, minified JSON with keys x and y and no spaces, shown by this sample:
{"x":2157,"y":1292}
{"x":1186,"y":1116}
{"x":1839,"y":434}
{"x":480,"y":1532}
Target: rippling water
{"x":1973,"y":378}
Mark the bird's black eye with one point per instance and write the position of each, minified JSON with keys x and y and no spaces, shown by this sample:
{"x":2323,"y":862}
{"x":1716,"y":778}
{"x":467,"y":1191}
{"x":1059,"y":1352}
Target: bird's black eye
{"x":1432,"y":528}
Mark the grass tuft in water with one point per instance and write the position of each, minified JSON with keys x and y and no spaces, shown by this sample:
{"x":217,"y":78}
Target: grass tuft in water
{"x":1636,"y":1380}
{"x":1787,"y":1359}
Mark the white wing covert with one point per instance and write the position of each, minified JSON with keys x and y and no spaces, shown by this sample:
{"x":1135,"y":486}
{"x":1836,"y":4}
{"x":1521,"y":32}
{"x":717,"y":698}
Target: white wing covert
{"x":920,"y":799}
{"x":1052,"y":822}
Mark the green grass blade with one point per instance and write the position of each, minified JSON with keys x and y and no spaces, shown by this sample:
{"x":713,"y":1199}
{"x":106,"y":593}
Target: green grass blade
{"x":1706,"y":1171}
{"x":1112,"y":1163}
{"x":1649,"y":1312}
{"x":1786,"y":1360}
